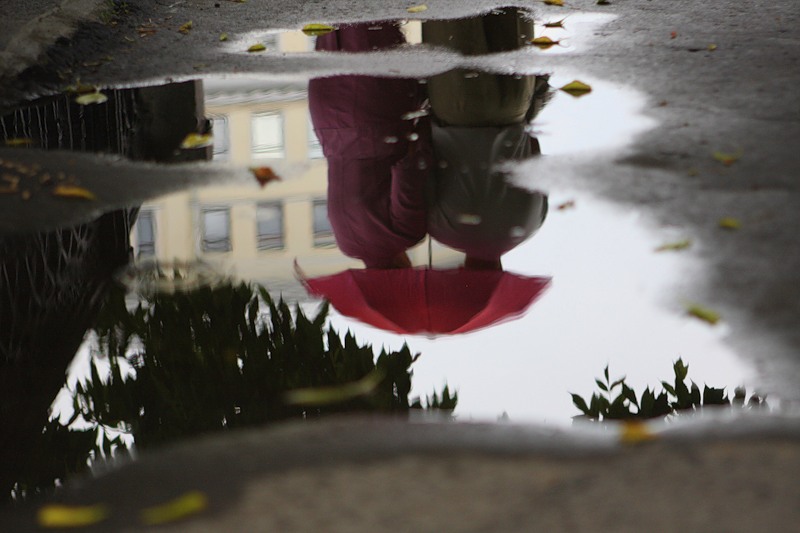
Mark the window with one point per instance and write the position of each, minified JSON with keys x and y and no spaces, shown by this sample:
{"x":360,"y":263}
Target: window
{"x":314,"y":147}
{"x":323,"y":232}
{"x":269,"y":226}
{"x":146,"y":234}
{"x":216,"y":229}
{"x":221,"y":136}
{"x":267,"y":136}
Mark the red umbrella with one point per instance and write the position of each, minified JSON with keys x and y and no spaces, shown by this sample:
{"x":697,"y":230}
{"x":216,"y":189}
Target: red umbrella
{"x":424,"y":300}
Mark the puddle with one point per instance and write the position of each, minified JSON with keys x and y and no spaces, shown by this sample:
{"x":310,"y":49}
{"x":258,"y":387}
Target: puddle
{"x":561,"y":286}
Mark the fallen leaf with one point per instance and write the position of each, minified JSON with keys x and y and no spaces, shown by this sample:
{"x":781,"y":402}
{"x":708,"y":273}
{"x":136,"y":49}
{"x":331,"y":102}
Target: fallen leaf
{"x":316,"y":396}
{"x":258,"y":47}
{"x":186,"y":505}
{"x":603,"y":3}
{"x":569,"y":204}
{"x":411,"y":115}
{"x":703,"y":313}
{"x":12,"y":180}
{"x":556,"y":24}
{"x":727,"y":159}
{"x":146,"y":30}
{"x":673,"y":34}
{"x":469,"y":219}
{"x":91,"y":98}
{"x":58,"y":516}
{"x":417,"y":9}
{"x":635,"y":432}
{"x":223,"y":37}
{"x":72,"y":191}
{"x":576,"y":88}
{"x":712,"y":47}
{"x":672,"y":246}
{"x":197,"y":140}
{"x":81,"y":88}
{"x":554,"y":2}
{"x":729,"y":223}
{"x":185,"y":28}
{"x":315,"y":30}
{"x":19,"y":141}
{"x":543,"y":42}
{"x":264,"y":175}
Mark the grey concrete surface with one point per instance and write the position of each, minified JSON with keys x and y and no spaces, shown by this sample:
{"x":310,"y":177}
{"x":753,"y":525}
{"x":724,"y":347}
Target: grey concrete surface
{"x":740,"y":96}
{"x":28,"y":29}
{"x":728,"y":474}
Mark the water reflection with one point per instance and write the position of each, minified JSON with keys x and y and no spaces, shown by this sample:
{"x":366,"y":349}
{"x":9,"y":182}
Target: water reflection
{"x":404,"y":159}
{"x":400,"y":168}
{"x":55,"y":283}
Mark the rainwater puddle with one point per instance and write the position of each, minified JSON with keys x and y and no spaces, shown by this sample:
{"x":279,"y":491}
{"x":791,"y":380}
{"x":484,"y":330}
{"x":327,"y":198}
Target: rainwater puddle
{"x":185,"y":266}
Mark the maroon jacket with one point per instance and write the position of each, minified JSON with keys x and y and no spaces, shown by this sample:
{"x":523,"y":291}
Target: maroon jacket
{"x":376,"y":175}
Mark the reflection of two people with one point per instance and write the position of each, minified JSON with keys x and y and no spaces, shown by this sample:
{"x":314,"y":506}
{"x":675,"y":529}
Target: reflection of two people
{"x":395,"y":176}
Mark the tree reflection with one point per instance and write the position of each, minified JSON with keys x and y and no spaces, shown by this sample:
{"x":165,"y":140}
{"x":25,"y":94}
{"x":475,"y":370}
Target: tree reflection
{"x":224,"y":357}
{"x":52,"y":285}
{"x":617,"y":401}
{"x":217,"y":358}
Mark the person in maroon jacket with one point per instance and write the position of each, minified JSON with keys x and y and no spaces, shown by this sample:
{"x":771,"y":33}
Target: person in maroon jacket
{"x":378,"y":152}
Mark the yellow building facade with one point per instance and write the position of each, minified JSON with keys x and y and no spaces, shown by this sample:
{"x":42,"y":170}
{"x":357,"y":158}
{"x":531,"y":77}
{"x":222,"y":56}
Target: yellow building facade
{"x":249,"y":232}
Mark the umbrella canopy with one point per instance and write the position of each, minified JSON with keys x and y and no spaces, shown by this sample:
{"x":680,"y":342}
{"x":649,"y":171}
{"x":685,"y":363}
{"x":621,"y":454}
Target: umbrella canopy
{"x":428,"y":301}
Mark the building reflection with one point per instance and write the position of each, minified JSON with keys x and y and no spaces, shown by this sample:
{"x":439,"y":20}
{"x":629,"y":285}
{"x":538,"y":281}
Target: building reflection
{"x":257,"y":234}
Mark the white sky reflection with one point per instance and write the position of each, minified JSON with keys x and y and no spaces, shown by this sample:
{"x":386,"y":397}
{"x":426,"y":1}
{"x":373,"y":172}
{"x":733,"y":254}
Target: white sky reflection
{"x":610,"y":302}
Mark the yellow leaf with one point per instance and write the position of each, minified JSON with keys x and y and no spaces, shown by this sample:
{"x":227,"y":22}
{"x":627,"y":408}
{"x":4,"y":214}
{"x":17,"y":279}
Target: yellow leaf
{"x":703,"y":313}
{"x":315,"y":30}
{"x":635,"y":432}
{"x":576,"y":88}
{"x":19,"y":141}
{"x":729,"y":223}
{"x":417,"y":9}
{"x":712,"y":47}
{"x":184,"y":29}
{"x":316,"y":396}
{"x":554,"y":2}
{"x":58,"y":516}
{"x":727,"y":159}
{"x":91,"y":98}
{"x":677,"y":245}
{"x":80,"y":88}
{"x":223,"y":37}
{"x":264,"y":175}
{"x":71,"y":191}
{"x":258,"y":47}
{"x":190,"y":503}
{"x":197,"y":140}
{"x":543,"y":42}
{"x":556,"y":24}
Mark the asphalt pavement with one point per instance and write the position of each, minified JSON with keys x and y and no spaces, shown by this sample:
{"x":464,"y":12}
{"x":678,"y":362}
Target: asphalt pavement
{"x":718,"y":77}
